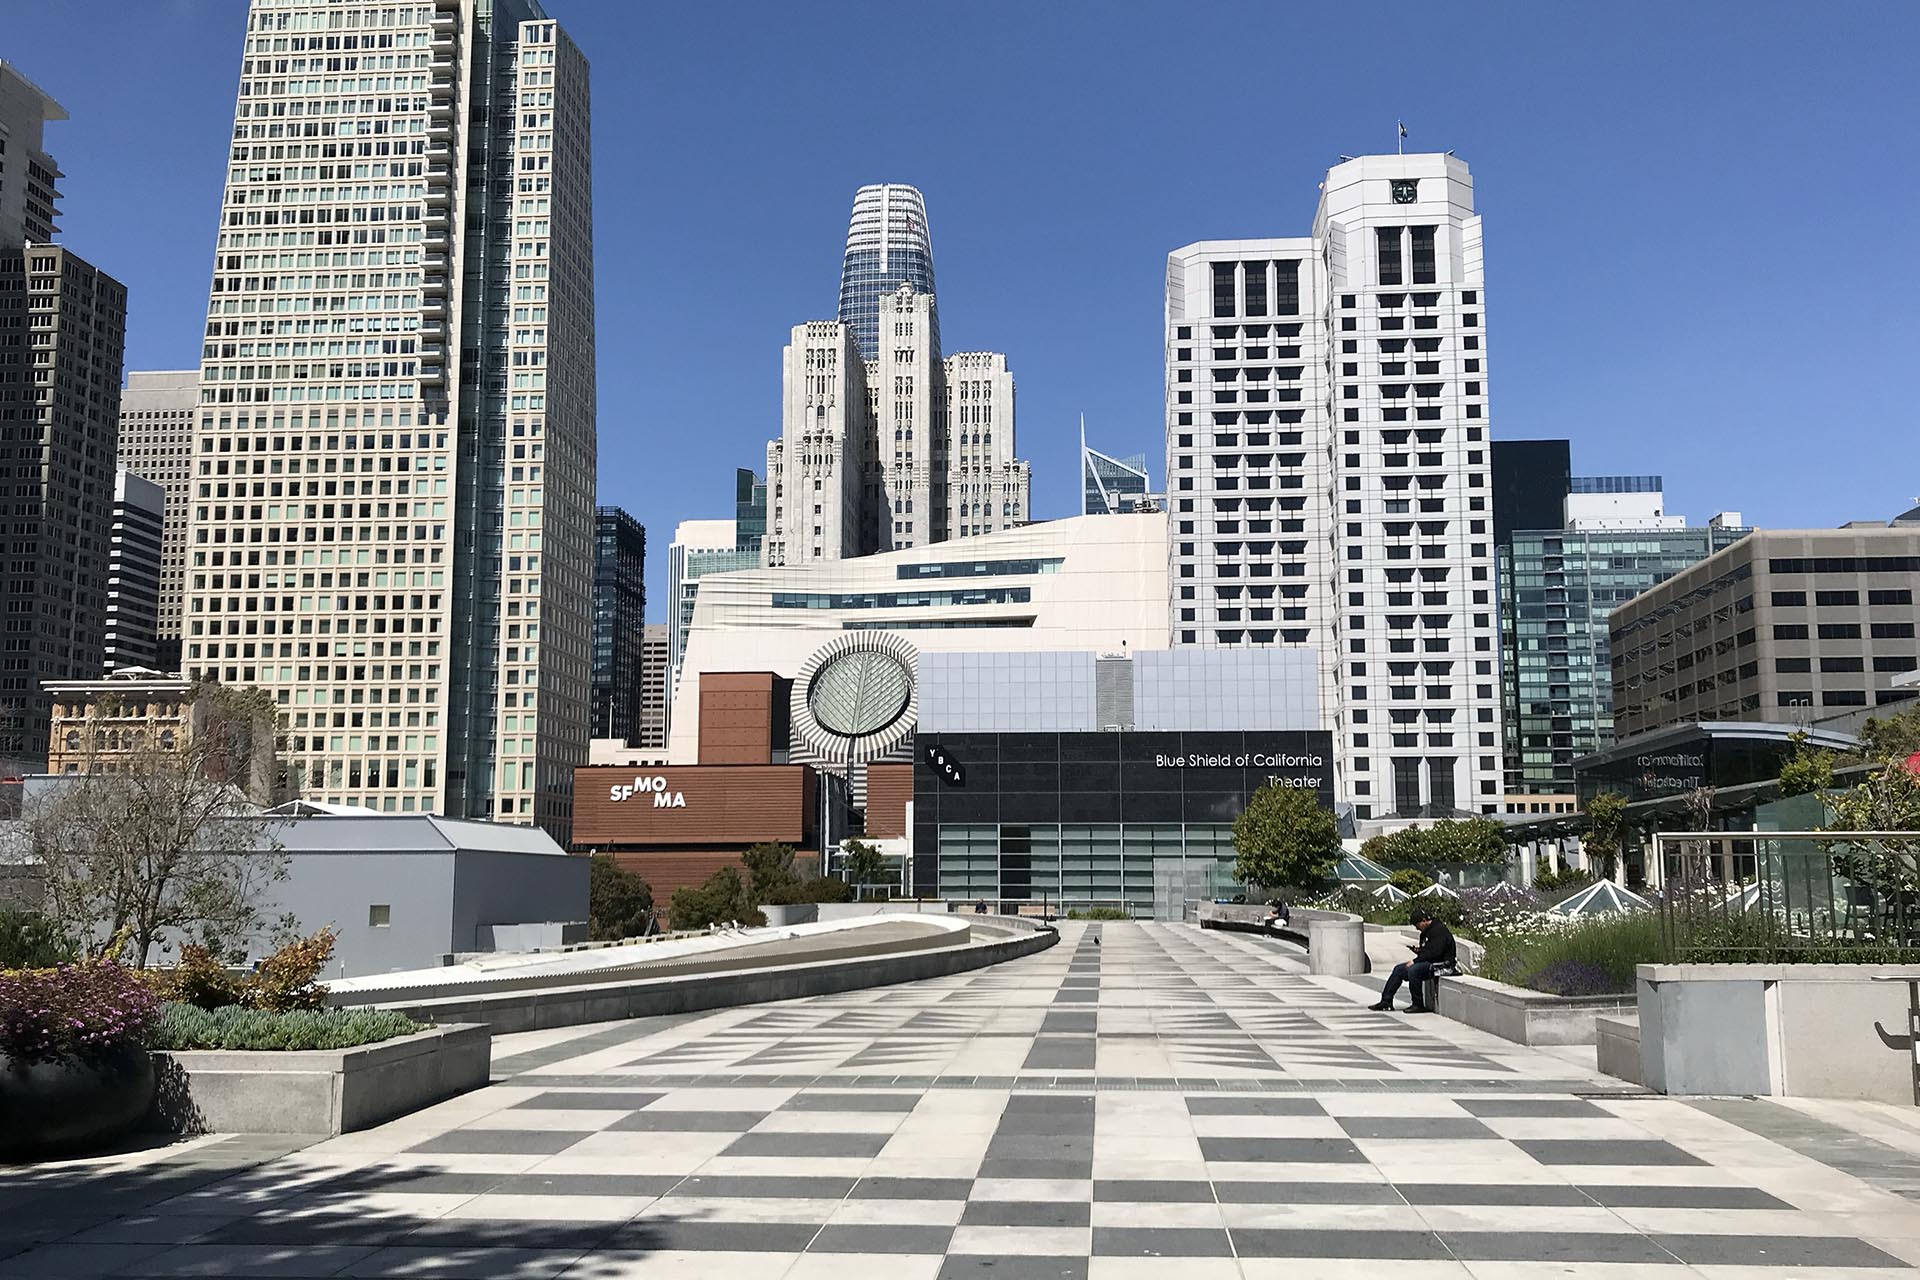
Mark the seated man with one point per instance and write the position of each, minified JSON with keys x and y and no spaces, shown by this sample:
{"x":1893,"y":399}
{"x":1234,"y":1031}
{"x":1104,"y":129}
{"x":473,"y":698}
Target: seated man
{"x":1434,"y":954}
{"x":1277,"y":916}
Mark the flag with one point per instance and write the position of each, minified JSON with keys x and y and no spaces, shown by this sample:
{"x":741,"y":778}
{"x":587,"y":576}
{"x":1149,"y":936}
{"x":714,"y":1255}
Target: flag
{"x":1403,"y":128}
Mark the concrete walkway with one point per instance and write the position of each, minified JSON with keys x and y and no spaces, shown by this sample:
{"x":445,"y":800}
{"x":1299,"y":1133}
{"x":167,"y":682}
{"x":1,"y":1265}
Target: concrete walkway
{"x":1140,"y":1101}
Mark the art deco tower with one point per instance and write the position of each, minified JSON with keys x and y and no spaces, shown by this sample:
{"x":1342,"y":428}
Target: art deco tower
{"x":392,"y":529}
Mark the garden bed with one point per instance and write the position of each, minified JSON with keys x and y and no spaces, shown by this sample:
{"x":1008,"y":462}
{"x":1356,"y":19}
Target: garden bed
{"x":316,"y":1091}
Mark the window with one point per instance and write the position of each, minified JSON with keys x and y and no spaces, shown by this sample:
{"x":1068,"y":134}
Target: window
{"x":1841,"y":664}
{"x":1793,"y":631}
{"x":1793,"y":664}
{"x":379,"y":915}
{"x":1423,"y":264}
{"x":1826,"y":599}
{"x":1844,"y":698}
{"x":1388,"y":242}
{"x":1839,"y":631}
{"x":1286,"y":288}
{"x":1223,"y":288}
{"x":1256,"y":289}
{"x":1891,"y":630}
{"x":1789,"y":599}
{"x":1899,"y":595}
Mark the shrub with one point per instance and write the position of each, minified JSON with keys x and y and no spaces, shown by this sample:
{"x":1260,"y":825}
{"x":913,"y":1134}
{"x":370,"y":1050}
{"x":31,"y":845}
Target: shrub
{"x":1570,"y":881}
{"x":200,"y":979}
{"x":619,"y":902}
{"x":721,"y":900}
{"x":1410,"y":880}
{"x":183,"y":1026}
{"x":812,"y":889}
{"x":1283,"y":836}
{"x":1098,"y":913}
{"x":1595,"y":956}
{"x":30,"y":940}
{"x":74,"y":1009}
{"x":289,"y":978}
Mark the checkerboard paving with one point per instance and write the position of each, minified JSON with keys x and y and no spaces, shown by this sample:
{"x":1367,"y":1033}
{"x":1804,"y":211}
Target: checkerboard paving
{"x":1141,"y":1100}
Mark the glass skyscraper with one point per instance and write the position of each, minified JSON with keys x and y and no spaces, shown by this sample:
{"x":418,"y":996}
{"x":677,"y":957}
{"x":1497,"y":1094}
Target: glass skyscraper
{"x":888,"y":245}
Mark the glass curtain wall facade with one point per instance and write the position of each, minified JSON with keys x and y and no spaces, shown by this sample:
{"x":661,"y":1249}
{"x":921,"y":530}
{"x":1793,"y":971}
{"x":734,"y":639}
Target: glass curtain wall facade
{"x":1111,"y":486}
{"x":1558,"y":589}
{"x":888,"y":244}
{"x":619,"y":622}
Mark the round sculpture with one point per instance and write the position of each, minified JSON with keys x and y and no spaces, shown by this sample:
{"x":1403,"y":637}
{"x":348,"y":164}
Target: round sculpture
{"x":853,"y":700}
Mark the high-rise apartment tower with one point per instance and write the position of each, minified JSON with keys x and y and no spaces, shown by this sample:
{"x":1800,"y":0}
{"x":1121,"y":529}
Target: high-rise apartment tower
{"x":157,"y":412}
{"x":133,"y":573}
{"x":1327,"y":464}
{"x":392,"y":528}
{"x":619,"y":615}
{"x":62,"y":337}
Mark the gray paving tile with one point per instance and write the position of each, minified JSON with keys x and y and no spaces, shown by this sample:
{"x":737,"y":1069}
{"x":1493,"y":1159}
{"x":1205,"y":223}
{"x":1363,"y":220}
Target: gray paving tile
{"x":851,"y":1101}
{"x":250,"y":1260}
{"x":808,"y":1144}
{"x":582,"y":1184}
{"x":1294,"y":1242}
{"x":1041,"y":1146}
{"x":1281,"y":1150}
{"x":1048,"y":1104}
{"x":1493,"y":1193}
{"x":1012,"y":1267}
{"x":1620,"y":1151}
{"x":999,"y":1167}
{"x":1547,"y":1108}
{"x":1430,"y":1128}
{"x":688,"y":1122}
{"x":1048,"y":1122}
{"x":64,"y":1258}
{"x":1641,"y":1196}
{"x":1288,"y":1192}
{"x":1252,"y":1105}
{"x":1151,"y":1191}
{"x":859,"y":1238}
{"x":422,"y":1263}
{"x":912,"y":1189}
{"x":1774,"y":1251}
{"x":752,"y":1187}
{"x":1026,"y":1213}
{"x":505,"y":1142}
{"x":659,"y":1235}
{"x":1554,"y":1246}
{"x":1161,"y":1242}
{"x":1060,"y":1053}
{"x":587,"y":1100}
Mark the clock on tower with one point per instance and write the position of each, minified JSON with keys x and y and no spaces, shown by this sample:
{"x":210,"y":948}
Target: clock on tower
{"x":1406,"y":190}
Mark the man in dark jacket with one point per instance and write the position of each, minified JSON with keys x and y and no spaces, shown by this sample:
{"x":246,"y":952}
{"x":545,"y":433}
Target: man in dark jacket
{"x":1434,"y":954}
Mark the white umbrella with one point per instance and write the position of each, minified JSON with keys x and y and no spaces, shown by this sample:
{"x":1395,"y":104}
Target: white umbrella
{"x":1436,"y":890}
{"x":1390,"y":893}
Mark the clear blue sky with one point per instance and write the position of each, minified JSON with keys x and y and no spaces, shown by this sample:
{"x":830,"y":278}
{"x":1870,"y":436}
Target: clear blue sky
{"x":1702,"y":219}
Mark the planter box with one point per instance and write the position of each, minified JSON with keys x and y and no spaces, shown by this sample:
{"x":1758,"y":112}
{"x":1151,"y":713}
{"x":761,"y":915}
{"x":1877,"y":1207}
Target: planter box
{"x":323,"y":1091}
{"x":1777,"y":1030}
{"x":1523,"y":1016}
{"x":1617,"y":1047}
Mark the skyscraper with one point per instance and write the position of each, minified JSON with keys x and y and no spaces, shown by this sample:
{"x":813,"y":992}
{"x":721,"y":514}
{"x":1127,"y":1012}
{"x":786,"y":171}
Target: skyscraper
{"x":394,"y":534}
{"x":888,"y":245}
{"x":651,"y":731}
{"x":133,"y":573}
{"x":62,"y":338}
{"x":1113,"y":486}
{"x":619,"y":615}
{"x":1328,"y":476}
{"x":157,"y":412}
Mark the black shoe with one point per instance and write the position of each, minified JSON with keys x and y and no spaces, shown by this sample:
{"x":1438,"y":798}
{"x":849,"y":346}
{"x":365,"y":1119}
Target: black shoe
{"x":1382,"y":1007}
{"x":1418,"y":1008}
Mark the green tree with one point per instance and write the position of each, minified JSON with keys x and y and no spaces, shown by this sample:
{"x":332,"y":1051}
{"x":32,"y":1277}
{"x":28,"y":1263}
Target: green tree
{"x":1466,"y":840}
{"x":723,"y":899}
{"x":1894,"y":737}
{"x":1808,"y":770}
{"x":619,"y":902}
{"x":1888,"y":800}
{"x":770,"y":873}
{"x":1606,"y":831}
{"x":1410,"y":881}
{"x":863,"y":864}
{"x":1284,"y":837}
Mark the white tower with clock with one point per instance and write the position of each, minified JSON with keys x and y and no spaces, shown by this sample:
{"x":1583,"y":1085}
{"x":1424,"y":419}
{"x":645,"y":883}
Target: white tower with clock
{"x":1329,"y":475}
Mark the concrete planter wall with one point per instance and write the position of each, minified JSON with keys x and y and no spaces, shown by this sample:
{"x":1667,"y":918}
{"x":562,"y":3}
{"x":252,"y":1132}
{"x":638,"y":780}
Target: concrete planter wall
{"x":1617,"y":1047}
{"x":793,"y":913}
{"x":326,"y":1091}
{"x":1523,"y":1016}
{"x":1335,"y":941}
{"x":1798,"y":1030}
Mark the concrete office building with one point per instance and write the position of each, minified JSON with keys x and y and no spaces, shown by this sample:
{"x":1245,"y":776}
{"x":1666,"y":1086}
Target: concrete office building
{"x":619,"y":615}
{"x":1328,"y":472}
{"x":157,"y":411}
{"x":651,"y":730}
{"x":699,"y":547}
{"x":133,"y":573}
{"x":1086,"y":584}
{"x":394,"y":531}
{"x":62,"y":337}
{"x":1784,"y":627}
{"x":1558,"y":585}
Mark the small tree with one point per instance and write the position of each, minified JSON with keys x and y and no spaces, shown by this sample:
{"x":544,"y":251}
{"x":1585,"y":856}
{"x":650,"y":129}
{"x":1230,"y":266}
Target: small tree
{"x":1808,"y":770}
{"x":1466,"y":840}
{"x":1284,"y":837}
{"x":863,"y":864}
{"x":721,"y":900}
{"x":619,"y":902}
{"x":769,"y":871}
{"x":167,"y":847}
{"x":1894,"y":737}
{"x":1889,"y":800}
{"x":1606,"y":831}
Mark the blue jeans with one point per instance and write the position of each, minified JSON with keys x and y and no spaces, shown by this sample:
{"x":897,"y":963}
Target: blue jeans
{"x":1414,"y":971}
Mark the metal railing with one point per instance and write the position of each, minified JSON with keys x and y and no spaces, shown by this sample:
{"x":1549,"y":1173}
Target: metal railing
{"x":1789,"y":895}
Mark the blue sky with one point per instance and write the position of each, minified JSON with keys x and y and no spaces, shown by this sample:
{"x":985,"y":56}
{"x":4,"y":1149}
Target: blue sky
{"x":1701,"y":219}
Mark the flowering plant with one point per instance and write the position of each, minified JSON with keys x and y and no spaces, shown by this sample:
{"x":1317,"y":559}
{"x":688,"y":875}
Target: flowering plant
{"x":74,"y":1009}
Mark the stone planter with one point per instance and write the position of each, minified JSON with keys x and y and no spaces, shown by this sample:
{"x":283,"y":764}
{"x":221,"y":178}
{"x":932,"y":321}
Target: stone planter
{"x":74,"y":1104}
{"x":1524,"y":1016}
{"x":323,"y":1091}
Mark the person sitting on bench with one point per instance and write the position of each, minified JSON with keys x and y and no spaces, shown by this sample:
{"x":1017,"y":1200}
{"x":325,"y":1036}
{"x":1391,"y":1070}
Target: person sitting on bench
{"x":1277,"y":916}
{"x":1434,"y":954}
